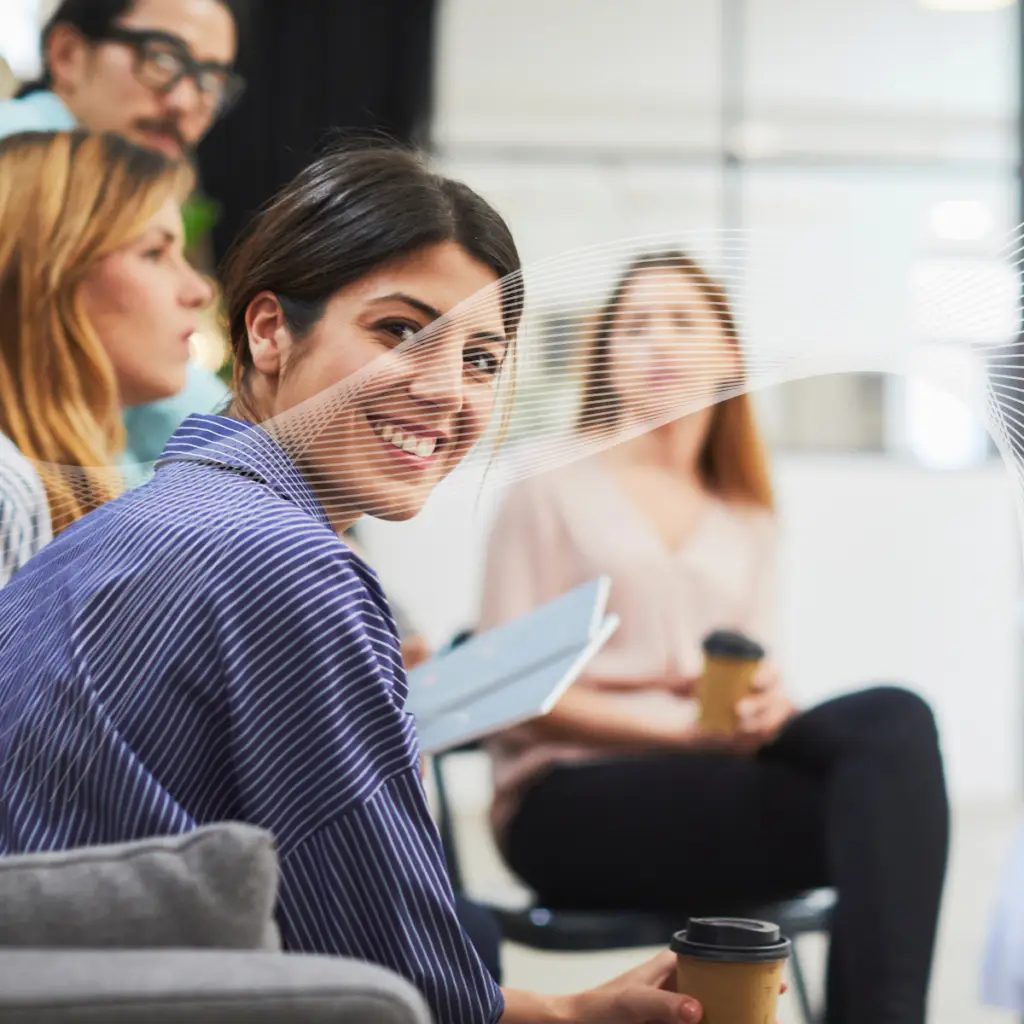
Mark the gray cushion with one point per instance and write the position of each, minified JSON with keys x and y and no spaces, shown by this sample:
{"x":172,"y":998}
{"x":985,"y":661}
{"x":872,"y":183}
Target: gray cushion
{"x":207,"y":987}
{"x":215,"y":886}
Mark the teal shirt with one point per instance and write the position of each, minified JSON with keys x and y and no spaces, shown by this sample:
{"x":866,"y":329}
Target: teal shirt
{"x":149,"y":427}
{"x":37,"y":112}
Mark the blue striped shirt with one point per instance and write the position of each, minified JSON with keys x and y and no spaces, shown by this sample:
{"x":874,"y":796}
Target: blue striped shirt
{"x":205,"y":648}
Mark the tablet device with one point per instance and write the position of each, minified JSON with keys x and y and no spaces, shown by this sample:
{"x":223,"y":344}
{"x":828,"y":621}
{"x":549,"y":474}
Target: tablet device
{"x":487,"y":660}
{"x":511,"y":673}
{"x":512,"y":701}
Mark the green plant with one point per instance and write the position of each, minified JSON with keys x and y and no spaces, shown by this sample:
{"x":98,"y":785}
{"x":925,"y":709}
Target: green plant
{"x":198,"y":214}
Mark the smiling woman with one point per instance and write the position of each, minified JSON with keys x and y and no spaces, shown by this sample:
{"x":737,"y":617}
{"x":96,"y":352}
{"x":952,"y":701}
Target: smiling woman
{"x":375,"y":362}
{"x":219,"y":653}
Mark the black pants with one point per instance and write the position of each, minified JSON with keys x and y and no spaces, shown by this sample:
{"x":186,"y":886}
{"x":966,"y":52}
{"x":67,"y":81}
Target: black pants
{"x":851,"y":795}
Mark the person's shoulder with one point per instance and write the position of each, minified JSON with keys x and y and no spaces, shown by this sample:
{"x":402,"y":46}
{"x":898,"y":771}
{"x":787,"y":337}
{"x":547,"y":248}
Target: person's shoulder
{"x":20,"y":484}
{"x":241,"y":509}
{"x":25,"y":526}
{"x":209,"y":511}
{"x":37,"y":112}
{"x":238,"y":540}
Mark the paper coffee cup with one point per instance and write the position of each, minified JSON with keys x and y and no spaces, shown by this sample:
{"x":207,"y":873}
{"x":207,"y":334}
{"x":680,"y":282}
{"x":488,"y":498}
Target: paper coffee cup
{"x":733,"y":967}
{"x":730,"y":663}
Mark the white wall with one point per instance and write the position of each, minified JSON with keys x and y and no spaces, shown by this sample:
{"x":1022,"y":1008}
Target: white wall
{"x":891,"y":573}
{"x":20,"y":21}
{"x":895,"y":573}
{"x":584,"y":121}
{"x":578,"y":72}
{"x":846,"y":75}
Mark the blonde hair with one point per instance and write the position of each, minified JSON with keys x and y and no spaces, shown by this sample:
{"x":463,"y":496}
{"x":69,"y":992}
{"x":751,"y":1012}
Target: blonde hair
{"x":733,"y":461}
{"x":67,"y":199}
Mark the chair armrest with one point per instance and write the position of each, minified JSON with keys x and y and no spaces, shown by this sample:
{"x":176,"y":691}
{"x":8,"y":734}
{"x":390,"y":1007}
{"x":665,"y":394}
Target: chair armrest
{"x":173,"y":986}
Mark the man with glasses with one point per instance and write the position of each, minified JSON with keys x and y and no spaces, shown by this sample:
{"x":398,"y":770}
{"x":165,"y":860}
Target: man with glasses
{"x":158,"y":72}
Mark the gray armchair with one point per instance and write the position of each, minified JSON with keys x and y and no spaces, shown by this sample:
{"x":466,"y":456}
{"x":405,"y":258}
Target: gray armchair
{"x":175,"y":986}
{"x":177,"y":929}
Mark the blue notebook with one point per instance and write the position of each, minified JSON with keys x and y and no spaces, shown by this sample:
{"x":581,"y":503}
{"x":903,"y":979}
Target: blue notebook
{"x":510,"y":674}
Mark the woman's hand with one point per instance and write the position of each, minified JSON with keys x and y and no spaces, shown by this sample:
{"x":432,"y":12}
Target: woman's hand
{"x":645,"y":995}
{"x":642,"y":996}
{"x":764,"y":712}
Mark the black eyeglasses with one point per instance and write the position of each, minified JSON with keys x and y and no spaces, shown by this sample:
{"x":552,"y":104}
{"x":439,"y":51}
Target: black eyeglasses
{"x":163,"y":60}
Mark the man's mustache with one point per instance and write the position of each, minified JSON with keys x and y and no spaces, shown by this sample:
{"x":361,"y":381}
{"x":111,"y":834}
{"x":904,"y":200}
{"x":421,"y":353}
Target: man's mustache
{"x":168,"y":128}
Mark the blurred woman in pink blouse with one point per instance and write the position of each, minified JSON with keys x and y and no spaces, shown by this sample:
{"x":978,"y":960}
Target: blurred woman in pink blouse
{"x":617,"y":799}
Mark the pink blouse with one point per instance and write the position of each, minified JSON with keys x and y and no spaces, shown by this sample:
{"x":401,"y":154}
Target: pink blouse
{"x":560,"y":529}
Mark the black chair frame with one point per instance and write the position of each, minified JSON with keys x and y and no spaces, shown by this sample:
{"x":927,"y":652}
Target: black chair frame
{"x":585,"y":931}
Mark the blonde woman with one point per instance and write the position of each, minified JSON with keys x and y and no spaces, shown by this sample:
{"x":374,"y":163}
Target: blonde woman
{"x":97,"y":304}
{"x":617,"y":799}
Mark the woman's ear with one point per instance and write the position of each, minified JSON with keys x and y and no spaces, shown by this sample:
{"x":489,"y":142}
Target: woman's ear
{"x":269,"y":337}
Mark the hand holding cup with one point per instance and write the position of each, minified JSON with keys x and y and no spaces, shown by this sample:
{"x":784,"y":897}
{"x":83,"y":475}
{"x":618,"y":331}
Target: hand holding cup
{"x":764,"y":711}
{"x":733,"y":967}
{"x":742,"y":702}
{"x":731,"y":663}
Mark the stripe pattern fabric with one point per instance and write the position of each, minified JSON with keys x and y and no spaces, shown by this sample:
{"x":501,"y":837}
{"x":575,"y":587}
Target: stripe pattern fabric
{"x":205,"y":648}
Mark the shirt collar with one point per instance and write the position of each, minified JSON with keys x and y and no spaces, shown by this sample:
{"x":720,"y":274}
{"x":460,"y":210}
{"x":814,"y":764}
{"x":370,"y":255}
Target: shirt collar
{"x":47,"y":111}
{"x":242,"y":448}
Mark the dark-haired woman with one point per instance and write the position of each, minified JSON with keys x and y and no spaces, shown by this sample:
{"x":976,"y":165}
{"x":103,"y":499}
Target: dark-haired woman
{"x":214,"y":650}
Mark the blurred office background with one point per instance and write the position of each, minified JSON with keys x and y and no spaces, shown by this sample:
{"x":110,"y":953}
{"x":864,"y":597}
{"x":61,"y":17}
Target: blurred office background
{"x":869,"y":148}
{"x":867,"y":153}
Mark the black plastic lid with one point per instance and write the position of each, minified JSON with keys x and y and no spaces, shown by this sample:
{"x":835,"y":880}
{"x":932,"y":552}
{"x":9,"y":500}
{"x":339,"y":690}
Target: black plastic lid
{"x":723,"y":643}
{"x":732,"y":940}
